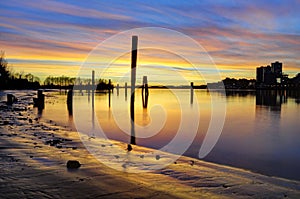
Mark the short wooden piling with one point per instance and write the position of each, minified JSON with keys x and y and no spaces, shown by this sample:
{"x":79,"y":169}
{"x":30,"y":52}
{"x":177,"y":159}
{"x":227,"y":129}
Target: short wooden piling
{"x":70,"y":102}
{"x":192,"y":92}
{"x":93,"y":80}
{"x":125,"y":91}
{"x":109,"y":92}
{"x":145,"y":92}
{"x":10,"y":99}
{"x":39,"y":102}
{"x":118,"y":87}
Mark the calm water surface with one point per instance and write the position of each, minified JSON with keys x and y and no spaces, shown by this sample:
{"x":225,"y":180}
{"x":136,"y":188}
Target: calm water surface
{"x":261,"y":130}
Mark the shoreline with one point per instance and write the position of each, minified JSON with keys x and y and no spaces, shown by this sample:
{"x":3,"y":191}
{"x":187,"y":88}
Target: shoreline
{"x":33,"y":166}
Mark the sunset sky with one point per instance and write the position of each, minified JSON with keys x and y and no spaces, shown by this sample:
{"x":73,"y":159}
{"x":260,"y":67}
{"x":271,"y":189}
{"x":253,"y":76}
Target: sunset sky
{"x":51,"y":37}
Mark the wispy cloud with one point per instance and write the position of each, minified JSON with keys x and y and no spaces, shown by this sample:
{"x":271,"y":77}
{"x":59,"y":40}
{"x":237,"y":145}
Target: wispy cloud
{"x":237,"y":35}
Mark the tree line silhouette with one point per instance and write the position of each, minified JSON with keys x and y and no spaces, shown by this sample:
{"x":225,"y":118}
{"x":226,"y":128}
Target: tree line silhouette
{"x":65,"y":82}
{"x":11,"y":80}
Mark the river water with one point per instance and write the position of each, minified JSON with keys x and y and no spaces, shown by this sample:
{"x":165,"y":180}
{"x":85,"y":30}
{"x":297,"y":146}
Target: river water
{"x":261,"y":130}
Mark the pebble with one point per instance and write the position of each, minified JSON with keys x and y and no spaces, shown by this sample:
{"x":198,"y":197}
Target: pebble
{"x":73,"y":164}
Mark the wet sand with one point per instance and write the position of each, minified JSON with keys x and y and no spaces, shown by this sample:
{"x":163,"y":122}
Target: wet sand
{"x":33,"y":157}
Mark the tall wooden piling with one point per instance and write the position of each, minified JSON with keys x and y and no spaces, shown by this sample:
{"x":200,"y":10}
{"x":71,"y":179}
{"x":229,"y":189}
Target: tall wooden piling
{"x":93,"y":99}
{"x":133,"y":79}
{"x":109,"y":92}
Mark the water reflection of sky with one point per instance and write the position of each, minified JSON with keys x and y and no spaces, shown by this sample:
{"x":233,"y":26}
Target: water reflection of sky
{"x":260,"y":131}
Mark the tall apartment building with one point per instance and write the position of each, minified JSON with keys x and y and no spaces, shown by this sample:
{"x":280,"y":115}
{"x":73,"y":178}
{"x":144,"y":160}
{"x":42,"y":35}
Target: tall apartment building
{"x":269,"y":75}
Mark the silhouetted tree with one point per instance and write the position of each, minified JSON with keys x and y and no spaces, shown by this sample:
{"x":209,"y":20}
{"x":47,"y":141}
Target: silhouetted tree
{"x":11,"y":80}
{"x":4,"y":72}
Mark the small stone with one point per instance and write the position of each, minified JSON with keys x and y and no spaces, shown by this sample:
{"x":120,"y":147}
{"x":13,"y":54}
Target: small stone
{"x":73,"y":164}
{"x":157,"y":157}
{"x":192,"y":162}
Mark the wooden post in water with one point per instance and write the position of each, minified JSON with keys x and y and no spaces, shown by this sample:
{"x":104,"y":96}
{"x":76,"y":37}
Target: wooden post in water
{"x":70,"y":102}
{"x":125,"y":91}
{"x":118,"y":87}
{"x":133,"y":78}
{"x":93,"y":80}
{"x":192,"y":92}
{"x":89,"y":87}
{"x":93,"y":99}
{"x":145,"y":92}
{"x":109,"y":91}
{"x":40,"y":100}
{"x":10,"y":99}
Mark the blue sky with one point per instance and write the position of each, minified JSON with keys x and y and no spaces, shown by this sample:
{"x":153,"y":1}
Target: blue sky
{"x":50,"y":37}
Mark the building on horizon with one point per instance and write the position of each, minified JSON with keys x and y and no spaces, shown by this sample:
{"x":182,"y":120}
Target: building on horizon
{"x":276,"y":68}
{"x":269,"y":76}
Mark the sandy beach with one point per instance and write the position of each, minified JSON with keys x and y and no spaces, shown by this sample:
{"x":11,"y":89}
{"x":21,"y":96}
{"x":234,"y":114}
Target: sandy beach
{"x":34,"y":155}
